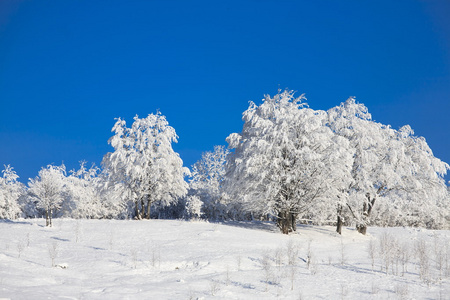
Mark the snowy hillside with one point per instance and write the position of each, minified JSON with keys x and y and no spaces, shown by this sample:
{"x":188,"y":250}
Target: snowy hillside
{"x":169,"y":259}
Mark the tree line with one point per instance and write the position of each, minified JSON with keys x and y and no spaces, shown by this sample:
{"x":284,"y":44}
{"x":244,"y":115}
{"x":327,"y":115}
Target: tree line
{"x":289,"y":164}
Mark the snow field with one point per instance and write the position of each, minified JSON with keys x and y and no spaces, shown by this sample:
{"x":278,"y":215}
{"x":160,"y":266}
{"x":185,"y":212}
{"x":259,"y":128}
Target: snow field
{"x":171,"y":259}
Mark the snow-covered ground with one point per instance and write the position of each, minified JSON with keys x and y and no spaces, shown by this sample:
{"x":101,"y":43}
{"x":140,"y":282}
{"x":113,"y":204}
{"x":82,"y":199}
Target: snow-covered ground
{"x":170,"y":259}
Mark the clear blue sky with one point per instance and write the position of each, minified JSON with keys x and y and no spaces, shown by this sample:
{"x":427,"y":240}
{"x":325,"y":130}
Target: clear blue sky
{"x":68,"y":68}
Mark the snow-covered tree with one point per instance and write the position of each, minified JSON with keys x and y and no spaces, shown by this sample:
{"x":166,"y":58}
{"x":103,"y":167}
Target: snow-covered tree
{"x":113,"y":198}
{"x":82,"y":196}
{"x":387,"y":164}
{"x":10,"y":191}
{"x":416,"y":182}
{"x":284,"y":160}
{"x":48,"y":188}
{"x":206,"y":179}
{"x":193,"y":207}
{"x":143,"y":167}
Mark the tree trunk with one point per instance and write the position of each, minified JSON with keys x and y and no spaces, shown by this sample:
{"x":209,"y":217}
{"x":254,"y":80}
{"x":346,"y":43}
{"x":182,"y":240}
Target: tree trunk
{"x":47,"y":220}
{"x":367,"y":209}
{"x":136,"y":210}
{"x":339,"y":220}
{"x":293,"y":221}
{"x":362,"y":228}
{"x":149,"y":205}
{"x":50,"y":217}
{"x":285,"y":222}
{"x":339,"y":225}
{"x":142,"y":210}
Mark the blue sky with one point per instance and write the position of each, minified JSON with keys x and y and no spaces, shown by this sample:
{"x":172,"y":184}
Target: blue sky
{"x":68,"y":68}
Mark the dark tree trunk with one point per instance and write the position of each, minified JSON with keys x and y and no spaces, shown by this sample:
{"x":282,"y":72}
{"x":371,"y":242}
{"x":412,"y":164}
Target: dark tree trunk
{"x":362,"y":228}
{"x":339,"y":224}
{"x":339,"y":219}
{"x":281,"y":222}
{"x":136,"y":210}
{"x":367,"y":209}
{"x":294,"y":221}
{"x":149,"y":205}
{"x":286,"y":222}
{"x":142,"y":209}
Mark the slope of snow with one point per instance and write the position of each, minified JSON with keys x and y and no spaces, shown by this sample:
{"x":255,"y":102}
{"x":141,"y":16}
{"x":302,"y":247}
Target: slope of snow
{"x":170,"y":259}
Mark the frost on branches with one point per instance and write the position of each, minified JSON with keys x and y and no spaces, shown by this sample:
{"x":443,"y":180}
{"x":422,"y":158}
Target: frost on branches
{"x":392,"y":167}
{"x":82,"y":197}
{"x":286,"y":162}
{"x":293,"y":162}
{"x":206,"y":181}
{"x":47,"y":188}
{"x":193,"y":207}
{"x":143,"y":168}
{"x":10,"y":191}
{"x":289,"y":164}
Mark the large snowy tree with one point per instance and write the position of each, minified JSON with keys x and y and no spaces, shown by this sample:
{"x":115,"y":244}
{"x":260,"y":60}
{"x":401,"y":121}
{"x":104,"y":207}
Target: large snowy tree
{"x":10,"y":191}
{"x":387,"y":165}
{"x":144,"y":165}
{"x":416,"y":187}
{"x":284,"y":160}
{"x":48,"y":189}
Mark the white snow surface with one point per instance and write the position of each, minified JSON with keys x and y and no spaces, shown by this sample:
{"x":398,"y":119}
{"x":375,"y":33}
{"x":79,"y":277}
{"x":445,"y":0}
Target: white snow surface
{"x":173,"y":259}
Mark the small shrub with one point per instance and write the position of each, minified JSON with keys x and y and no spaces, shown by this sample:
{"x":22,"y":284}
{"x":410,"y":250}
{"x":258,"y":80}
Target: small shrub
{"x":53,"y":252}
{"x":20,"y":247}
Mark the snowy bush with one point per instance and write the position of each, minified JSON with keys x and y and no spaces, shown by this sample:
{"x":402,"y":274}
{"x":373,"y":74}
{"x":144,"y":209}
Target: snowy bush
{"x":193,"y":209}
{"x":206,"y":182}
{"x":82,"y":198}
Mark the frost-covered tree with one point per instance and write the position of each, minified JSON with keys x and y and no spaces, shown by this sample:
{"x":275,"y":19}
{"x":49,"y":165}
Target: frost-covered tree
{"x":193,"y":207}
{"x":206,"y":180}
{"x":293,"y":162}
{"x":416,"y":187}
{"x":352,"y":121}
{"x":82,"y":194}
{"x":387,"y":164}
{"x":284,"y":160}
{"x":113,"y":198}
{"x":143,"y":167}
{"x":10,"y":191}
{"x":48,"y":189}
